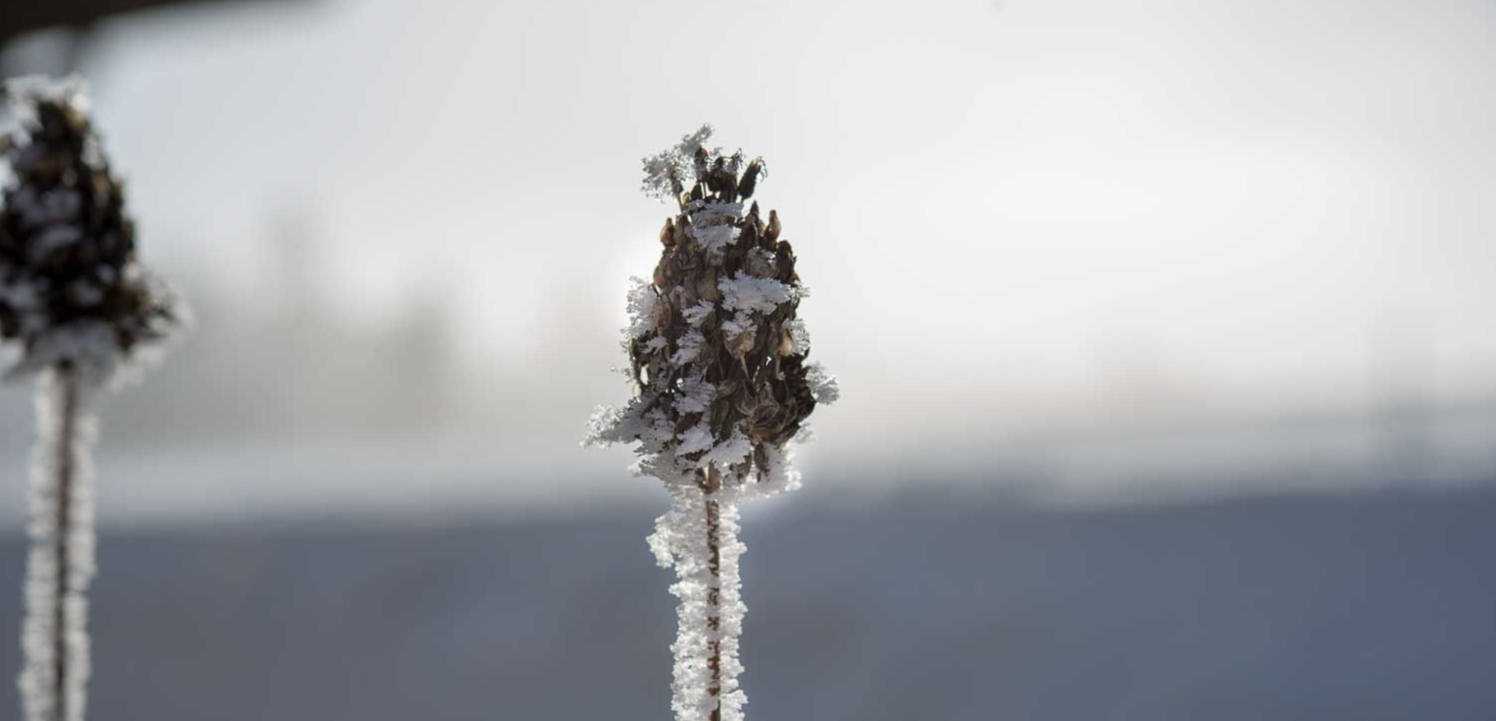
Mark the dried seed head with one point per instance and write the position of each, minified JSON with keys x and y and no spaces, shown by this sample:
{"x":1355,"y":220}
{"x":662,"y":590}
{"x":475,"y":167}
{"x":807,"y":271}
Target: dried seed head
{"x":718,"y":352}
{"x":70,"y":287}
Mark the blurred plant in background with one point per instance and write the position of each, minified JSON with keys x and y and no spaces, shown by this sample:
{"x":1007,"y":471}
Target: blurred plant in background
{"x":85,"y":316}
{"x":718,"y":358}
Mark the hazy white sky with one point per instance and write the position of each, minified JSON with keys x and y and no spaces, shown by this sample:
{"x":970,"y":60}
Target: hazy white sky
{"x":1003,"y":209}
{"x":1017,"y":218}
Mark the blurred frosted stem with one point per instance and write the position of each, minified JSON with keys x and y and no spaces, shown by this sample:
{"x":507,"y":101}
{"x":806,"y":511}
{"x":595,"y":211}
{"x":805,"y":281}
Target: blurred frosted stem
{"x":710,"y":483}
{"x":61,"y":561}
{"x":67,"y":404}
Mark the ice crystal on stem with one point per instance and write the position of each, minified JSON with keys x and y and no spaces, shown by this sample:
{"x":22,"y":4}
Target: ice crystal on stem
{"x":81,"y":311}
{"x":719,"y":362}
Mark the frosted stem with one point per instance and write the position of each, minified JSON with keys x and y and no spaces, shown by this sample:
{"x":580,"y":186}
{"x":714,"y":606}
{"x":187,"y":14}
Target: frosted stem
{"x":63,"y":454}
{"x":699,"y":537}
{"x":61,"y":561}
{"x":710,"y":485}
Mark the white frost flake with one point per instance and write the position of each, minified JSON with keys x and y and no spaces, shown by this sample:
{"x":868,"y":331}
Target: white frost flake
{"x":745,"y":292}
{"x":799,"y":336}
{"x":697,"y":313}
{"x":662,"y":172}
{"x":709,"y":212}
{"x":741,"y":323}
{"x":696,"y":395}
{"x":642,"y":302}
{"x":822,"y":384}
{"x":714,"y":237}
{"x":728,"y":453}
{"x":689,"y":347}
{"x":696,"y":438}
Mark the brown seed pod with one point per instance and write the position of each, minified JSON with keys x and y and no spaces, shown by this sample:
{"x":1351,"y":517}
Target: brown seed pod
{"x":749,"y":181}
{"x":667,"y":234}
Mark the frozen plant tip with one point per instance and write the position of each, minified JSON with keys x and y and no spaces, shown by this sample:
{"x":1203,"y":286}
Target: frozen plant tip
{"x":79,"y":311}
{"x":719,"y":362}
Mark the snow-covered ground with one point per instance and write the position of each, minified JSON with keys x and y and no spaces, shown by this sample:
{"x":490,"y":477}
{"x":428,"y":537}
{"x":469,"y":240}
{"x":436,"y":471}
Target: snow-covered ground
{"x":926,"y":605}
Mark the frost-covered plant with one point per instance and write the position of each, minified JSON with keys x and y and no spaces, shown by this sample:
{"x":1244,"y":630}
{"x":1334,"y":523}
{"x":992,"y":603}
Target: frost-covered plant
{"x":81,"y":313}
{"x":719,"y":362}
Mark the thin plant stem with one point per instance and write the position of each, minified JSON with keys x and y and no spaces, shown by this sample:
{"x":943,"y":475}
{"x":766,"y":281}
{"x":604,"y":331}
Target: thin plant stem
{"x":67,"y":390}
{"x":710,"y":483}
{"x":60,"y":563}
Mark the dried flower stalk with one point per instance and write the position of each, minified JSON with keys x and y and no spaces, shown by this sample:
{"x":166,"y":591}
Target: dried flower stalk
{"x":718,"y":358}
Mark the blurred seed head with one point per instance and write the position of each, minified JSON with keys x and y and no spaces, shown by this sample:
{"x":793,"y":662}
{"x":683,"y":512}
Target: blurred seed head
{"x":70,"y":286}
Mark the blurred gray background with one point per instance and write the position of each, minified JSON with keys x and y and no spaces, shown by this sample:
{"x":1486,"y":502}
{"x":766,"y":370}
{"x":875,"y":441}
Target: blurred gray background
{"x":1164,"y":329}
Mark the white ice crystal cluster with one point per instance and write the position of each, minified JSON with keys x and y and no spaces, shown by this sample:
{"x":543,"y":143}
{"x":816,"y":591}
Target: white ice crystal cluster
{"x":670,"y":172}
{"x":723,"y":386}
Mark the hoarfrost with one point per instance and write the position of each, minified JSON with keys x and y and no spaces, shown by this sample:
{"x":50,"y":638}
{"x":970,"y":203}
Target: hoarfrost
{"x":714,"y":237}
{"x":689,"y":347}
{"x":642,"y":303}
{"x":606,"y":426}
{"x":697,"y":438}
{"x":799,"y":336}
{"x":681,"y":540}
{"x":806,"y":434}
{"x":743,"y":291}
{"x":780,"y":476}
{"x":696,"y":395}
{"x":760,"y":263}
{"x":728,"y":453}
{"x":698,"y":313}
{"x":89,"y":345}
{"x":822,"y":384}
{"x":24,"y":92}
{"x":741,"y":323}
{"x":666,"y":173}
{"x":712,"y":212}
{"x":62,"y":451}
